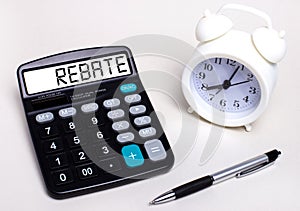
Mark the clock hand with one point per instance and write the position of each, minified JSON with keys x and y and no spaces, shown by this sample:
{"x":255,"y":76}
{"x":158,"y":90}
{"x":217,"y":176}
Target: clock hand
{"x":233,"y":74}
{"x":219,"y":86}
{"x":243,"y":82}
{"x":218,"y":92}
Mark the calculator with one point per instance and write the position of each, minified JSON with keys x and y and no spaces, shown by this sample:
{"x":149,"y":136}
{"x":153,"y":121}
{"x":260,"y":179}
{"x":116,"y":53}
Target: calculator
{"x":91,"y":121}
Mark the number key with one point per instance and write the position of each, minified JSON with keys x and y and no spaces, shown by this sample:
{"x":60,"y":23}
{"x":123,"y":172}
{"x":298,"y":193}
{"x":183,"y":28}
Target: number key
{"x":79,"y":156}
{"x":76,"y":140}
{"x":54,"y":145}
{"x":62,"y":177}
{"x":48,"y":131}
{"x":94,"y":121}
{"x":97,"y":135}
{"x":71,"y":126}
{"x":87,"y":171}
{"x":103,"y":150}
{"x":57,"y":161}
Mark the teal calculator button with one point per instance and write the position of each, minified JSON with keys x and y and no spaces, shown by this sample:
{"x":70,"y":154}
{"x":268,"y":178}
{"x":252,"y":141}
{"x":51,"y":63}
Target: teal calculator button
{"x":128,"y":88}
{"x":132,"y":155}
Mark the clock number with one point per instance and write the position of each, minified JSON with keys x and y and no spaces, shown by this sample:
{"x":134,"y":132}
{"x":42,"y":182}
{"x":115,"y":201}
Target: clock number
{"x":202,"y":75}
{"x":252,"y":90}
{"x":204,"y":87}
{"x":250,"y":76}
{"x":218,"y":60}
{"x":246,"y":99}
{"x":231,"y":62}
{"x":208,"y":67}
{"x":211,"y":97}
{"x":236,"y":103}
{"x":223,"y":102}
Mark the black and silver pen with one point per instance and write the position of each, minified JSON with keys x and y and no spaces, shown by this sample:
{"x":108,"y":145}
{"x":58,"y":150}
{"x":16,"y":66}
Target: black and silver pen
{"x":240,"y":170}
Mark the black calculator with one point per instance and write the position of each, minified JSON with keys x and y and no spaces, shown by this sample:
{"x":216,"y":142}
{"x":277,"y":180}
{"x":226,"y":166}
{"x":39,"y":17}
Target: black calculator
{"x":92,"y":124}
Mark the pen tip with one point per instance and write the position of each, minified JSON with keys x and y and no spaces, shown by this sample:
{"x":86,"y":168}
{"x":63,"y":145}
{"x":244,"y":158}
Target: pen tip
{"x":151,"y":203}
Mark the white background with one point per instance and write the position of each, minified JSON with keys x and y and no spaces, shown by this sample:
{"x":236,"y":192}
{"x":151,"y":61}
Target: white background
{"x":32,"y":29}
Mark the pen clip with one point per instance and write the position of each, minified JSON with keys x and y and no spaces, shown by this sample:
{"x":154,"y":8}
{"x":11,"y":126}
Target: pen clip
{"x":253,"y":170}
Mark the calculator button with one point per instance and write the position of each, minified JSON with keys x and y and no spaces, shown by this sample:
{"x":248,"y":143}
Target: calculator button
{"x":75,"y":140}
{"x":111,"y":103}
{"x":110,"y":165}
{"x":62,"y":177}
{"x":147,"y":132}
{"x":97,"y":135}
{"x":120,"y":126}
{"x":94,"y":121}
{"x":142,"y":121}
{"x":48,"y":131}
{"x":44,"y":117}
{"x":136,"y":110}
{"x":125,"y":137}
{"x":116,"y":114}
{"x":128,"y":88}
{"x":54,"y":145}
{"x":89,"y":108}
{"x":79,"y":156}
{"x":87,"y":171}
{"x":57,"y":161}
{"x":67,"y":112}
{"x":132,"y":155}
{"x":134,"y":98}
{"x":70,"y":126}
{"x":155,"y":150}
{"x":102,"y":150}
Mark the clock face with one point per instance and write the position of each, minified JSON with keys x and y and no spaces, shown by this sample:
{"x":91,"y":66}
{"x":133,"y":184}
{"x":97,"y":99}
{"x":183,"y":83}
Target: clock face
{"x":226,"y":85}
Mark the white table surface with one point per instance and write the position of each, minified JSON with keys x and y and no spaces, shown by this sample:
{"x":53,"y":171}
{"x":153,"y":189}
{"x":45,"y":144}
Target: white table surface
{"x":32,"y":29}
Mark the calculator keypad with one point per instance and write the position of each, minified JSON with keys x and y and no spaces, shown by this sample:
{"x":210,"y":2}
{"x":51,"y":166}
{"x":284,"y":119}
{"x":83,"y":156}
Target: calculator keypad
{"x":97,"y":142}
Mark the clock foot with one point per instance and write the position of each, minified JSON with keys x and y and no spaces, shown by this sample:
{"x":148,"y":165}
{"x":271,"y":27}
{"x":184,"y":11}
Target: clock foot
{"x":190,"y":110}
{"x":248,"y":127}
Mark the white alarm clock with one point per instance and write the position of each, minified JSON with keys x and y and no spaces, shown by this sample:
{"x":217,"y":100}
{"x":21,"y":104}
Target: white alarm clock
{"x":231,"y":76}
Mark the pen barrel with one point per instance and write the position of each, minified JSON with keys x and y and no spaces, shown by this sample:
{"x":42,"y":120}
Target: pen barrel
{"x":241,"y":167}
{"x":193,"y":186}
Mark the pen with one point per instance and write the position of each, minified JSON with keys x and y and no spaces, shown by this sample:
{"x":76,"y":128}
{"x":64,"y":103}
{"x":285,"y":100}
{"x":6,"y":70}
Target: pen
{"x":240,"y":170}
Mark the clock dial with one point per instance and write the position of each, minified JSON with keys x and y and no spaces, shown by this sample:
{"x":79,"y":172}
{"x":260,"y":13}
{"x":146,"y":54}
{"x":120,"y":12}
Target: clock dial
{"x":226,"y":85}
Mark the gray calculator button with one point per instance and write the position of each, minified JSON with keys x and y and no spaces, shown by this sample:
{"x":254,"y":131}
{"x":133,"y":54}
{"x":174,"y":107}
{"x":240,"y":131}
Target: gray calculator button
{"x":89,"y":108}
{"x":44,"y":117}
{"x":125,"y":137}
{"x":136,"y":110}
{"x":143,"y":120}
{"x":120,"y":126}
{"x":135,"y":98}
{"x":116,"y":114}
{"x":111,"y":103}
{"x":147,"y":132}
{"x":155,"y":150}
{"x":67,"y":112}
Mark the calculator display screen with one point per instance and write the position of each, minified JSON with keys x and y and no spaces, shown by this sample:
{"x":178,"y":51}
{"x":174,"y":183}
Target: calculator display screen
{"x":75,"y":73}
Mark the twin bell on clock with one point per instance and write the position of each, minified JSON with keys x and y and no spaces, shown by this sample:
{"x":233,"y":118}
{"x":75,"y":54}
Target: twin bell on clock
{"x":232,"y":74}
